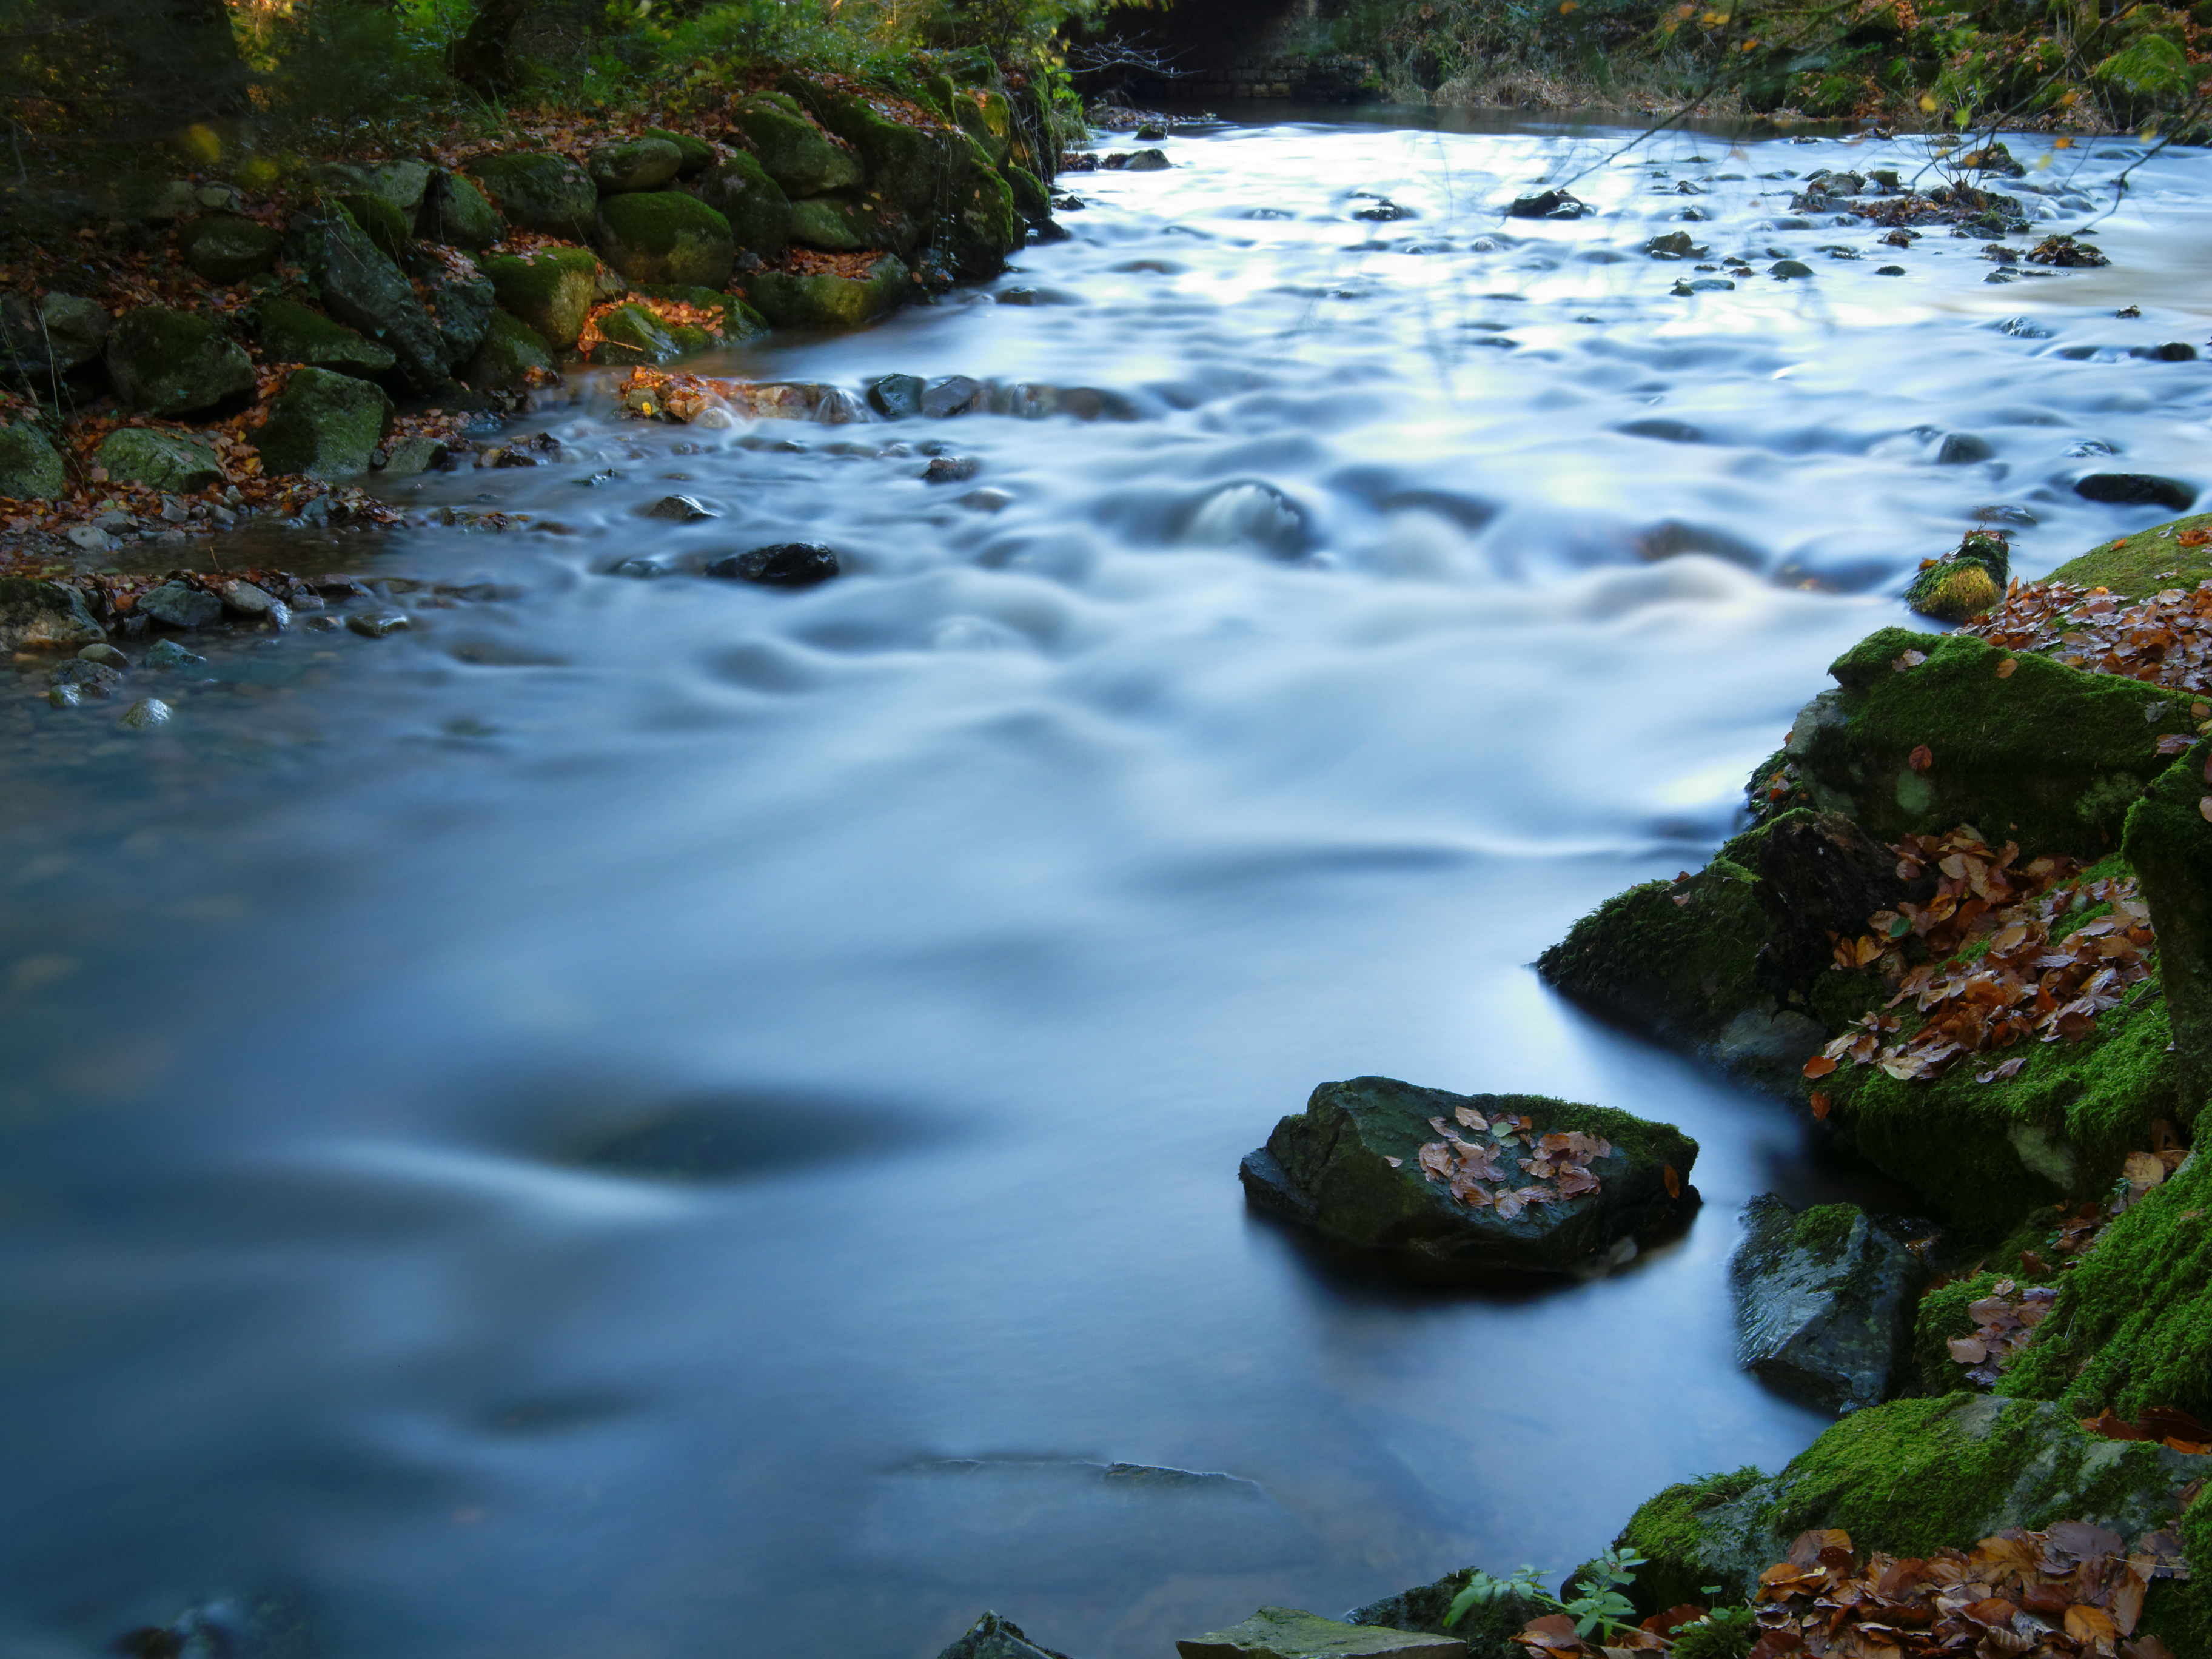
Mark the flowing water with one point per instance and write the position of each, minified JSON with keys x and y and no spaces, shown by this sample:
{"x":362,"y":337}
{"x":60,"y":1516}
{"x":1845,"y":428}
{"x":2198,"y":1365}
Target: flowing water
{"x":663,"y":1117}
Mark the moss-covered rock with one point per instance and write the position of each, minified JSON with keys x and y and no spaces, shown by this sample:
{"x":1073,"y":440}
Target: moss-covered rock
{"x":1940,"y":1318}
{"x":985,"y":116}
{"x":980,"y":227}
{"x":455,"y":213}
{"x":853,"y":224}
{"x":739,"y":321}
{"x":511,"y":351}
{"x":758,"y":211}
{"x":792,"y":150}
{"x":1349,"y":1167}
{"x":294,"y":333}
{"x":538,"y":192}
{"x":37,"y":615}
{"x":665,"y":236}
{"x":54,"y":337}
{"x":550,"y":290}
{"x":175,"y":461}
{"x":1487,"y":1628}
{"x":788,"y":299}
{"x":460,"y":303}
{"x":30,"y":468}
{"x":1288,"y":1633}
{"x":174,"y":362}
{"x":385,"y":224}
{"x":402,"y":183}
{"x":2138,"y":566}
{"x":1909,"y":1478}
{"x":1824,"y":1302}
{"x":1966,"y":582}
{"x":2169,"y":842}
{"x":325,"y":425}
{"x":910,"y":167}
{"x":223,"y":248}
{"x":1032,"y":199}
{"x":2035,"y":751}
{"x":695,"y":153}
{"x":631,"y":333}
{"x":360,"y":285}
{"x":633,"y":164}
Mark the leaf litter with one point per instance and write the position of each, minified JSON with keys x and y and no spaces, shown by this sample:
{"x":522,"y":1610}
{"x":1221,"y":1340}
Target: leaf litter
{"x":1481,"y":1173}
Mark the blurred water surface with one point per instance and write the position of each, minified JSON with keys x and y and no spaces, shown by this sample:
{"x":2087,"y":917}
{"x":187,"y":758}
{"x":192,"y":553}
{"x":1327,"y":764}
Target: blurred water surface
{"x":660,"y":1118}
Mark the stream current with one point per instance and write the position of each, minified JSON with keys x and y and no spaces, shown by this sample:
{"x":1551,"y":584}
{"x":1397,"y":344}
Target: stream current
{"x":660,"y":1117}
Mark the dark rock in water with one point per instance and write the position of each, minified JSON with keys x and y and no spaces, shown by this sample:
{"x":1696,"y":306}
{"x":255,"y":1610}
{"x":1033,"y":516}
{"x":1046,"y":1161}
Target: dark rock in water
{"x":37,"y":615}
{"x":1473,"y":1182}
{"x":167,"y":653}
{"x":1674,"y":245}
{"x":950,"y":395}
{"x":683,"y":510}
{"x":951,"y":469}
{"x":1287,"y":1633}
{"x":896,"y":396}
{"x":181,"y":605}
{"x":1824,"y":1302}
{"x":640,"y":569}
{"x":1486,"y":1629}
{"x":1381,"y":209}
{"x":2137,"y":490}
{"x":1548,"y":204}
{"x":1150,"y":132}
{"x":1148,"y":161}
{"x":1963,"y":448}
{"x":787,"y":564}
{"x":1820,"y":874}
{"x":92,"y":679}
{"x":2173,"y":351}
{"x":376,"y":624}
{"x":1665,"y":431}
{"x":1786,"y":269}
{"x":994,"y":1638}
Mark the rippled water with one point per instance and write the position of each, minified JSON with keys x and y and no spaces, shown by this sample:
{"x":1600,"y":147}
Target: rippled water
{"x":658,"y":1117}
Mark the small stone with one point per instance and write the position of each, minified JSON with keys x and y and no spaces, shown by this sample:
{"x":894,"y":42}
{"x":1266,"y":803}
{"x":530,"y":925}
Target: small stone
{"x":89,"y":537}
{"x":324,"y":624}
{"x":1963,"y":448}
{"x":638,"y":569}
{"x":106,"y":653}
{"x":145,"y":714}
{"x":64,"y":696}
{"x":950,"y":395}
{"x":986,"y":499}
{"x":683,"y":510}
{"x":92,"y":679}
{"x":951,"y":469}
{"x":181,"y":605}
{"x":1889,"y":271}
{"x":376,"y":624}
{"x":896,"y":396}
{"x":1787,"y":269}
{"x":785,"y":564}
{"x":246,"y":600}
{"x":167,"y":653}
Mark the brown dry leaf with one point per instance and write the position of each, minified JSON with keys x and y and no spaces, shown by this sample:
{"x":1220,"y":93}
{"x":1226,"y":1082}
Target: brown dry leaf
{"x":1395,"y":1163}
{"x":1436,"y":1161}
{"x":1968,"y":1349}
{"x":1554,"y":1632}
{"x":1674,"y":1181}
{"x":2204,"y":807}
{"x":2143,"y":1169}
{"x":2005,"y":668}
{"x":1820,"y":1107}
{"x":1819,"y":1065}
{"x":1471,"y":1118}
{"x":2085,"y":1623}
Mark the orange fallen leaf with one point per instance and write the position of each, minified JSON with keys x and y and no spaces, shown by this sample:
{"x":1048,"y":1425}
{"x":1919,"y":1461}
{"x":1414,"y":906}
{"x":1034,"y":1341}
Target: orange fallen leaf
{"x":1819,"y":1065}
{"x":2086,"y":1624}
{"x":1820,"y":1108}
{"x":2005,"y":668}
{"x":2143,"y":1169}
{"x":1921,"y":758}
{"x":1674,"y":1181}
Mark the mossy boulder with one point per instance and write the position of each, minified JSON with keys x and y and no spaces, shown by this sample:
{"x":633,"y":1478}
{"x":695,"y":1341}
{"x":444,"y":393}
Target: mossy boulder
{"x":175,"y":461}
{"x":789,"y":300}
{"x":791,"y":149}
{"x":455,"y":212}
{"x":511,"y":351}
{"x":361,"y":286}
{"x":325,"y":425}
{"x":910,"y":166}
{"x":294,"y":333}
{"x":665,"y":236}
{"x":36,"y":616}
{"x":1964,"y":583}
{"x":633,"y":164}
{"x":1349,"y":1167}
{"x":56,"y":335}
{"x":223,"y":248}
{"x":403,"y":184}
{"x":175,"y":363}
{"x":1288,"y":1633}
{"x":2021,"y":747}
{"x":2135,"y":567}
{"x":755,"y":205}
{"x":980,"y":227}
{"x":695,"y":153}
{"x":538,"y":192}
{"x":460,"y":303}
{"x":1032,"y":199}
{"x":550,"y":290}
{"x":739,"y":321}
{"x":1486,"y":1630}
{"x":1824,"y":1302}
{"x":985,"y":116}
{"x":31,"y":469}
{"x":2169,"y":842}
{"x":631,"y":333}
{"x":1908,"y":1478}
{"x":385,"y":224}
{"x":853,"y":224}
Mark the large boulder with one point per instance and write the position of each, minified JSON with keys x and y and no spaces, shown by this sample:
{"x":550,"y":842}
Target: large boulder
{"x":173,"y":363}
{"x":1486,"y":1630}
{"x":175,"y":461}
{"x":1473,"y":1182}
{"x":383,"y":224}
{"x":511,"y":351}
{"x":994,"y":1638}
{"x":758,"y":211}
{"x":981,"y":227}
{"x":792,"y":150}
{"x":43,"y":341}
{"x":665,"y":236}
{"x":853,"y":224}
{"x":361,"y":286}
{"x":403,"y":184}
{"x":985,"y":116}
{"x":632,"y":334}
{"x":789,"y":300}
{"x":550,"y":290}
{"x":1908,"y":1478}
{"x":455,"y":212}
{"x":325,"y":425}
{"x":2169,"y":842}
{"x":31,"y":469}
{"x":460,"y":302}
{"x":696,"y":153}
{"x":1287,"y":1633}
{"x":1824,"y":1302}
{"x":224,"y":248}
{"x":37,"y":615}
{"x":633,"y":164}
{"x":294,"y":333}
{"x":535,"y":191}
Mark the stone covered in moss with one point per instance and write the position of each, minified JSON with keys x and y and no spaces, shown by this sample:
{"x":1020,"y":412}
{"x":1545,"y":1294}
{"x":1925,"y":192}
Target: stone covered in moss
{"x":1966,"y":582}
{"x":792,"y":150}
{"x":175,"y":461}
{"x":909,"y":166}
{"x":61,"y":333}
{"x":224,"y":249}
{"x":1824,"y":1301}
{"x":294,"y":333}
{"x":981,"y":227}
{"x":37,"y":615}
{"x":694,"y":154}
{"x":1032,"y":199}
{"x":550,"y":290}
{"x":1940,"y":1318}
{"x":324,"y":425}
{"x":175,"y":363}
{"x":538,"y":192}
{"x":2135,"y":567}
{"x":360,"y":285}
{"x":791,"y":300}
{"x":631,"y":333}
{"x":511,"y":351}
{"x":2038,"y":753}
{"x":740,"y":321}
{"x":985,"y":116}
{"x":460,"y":303}
{"x":1349,"y":1167}
{"x":385,"y":224}
{"x":1909,"y":1478}
{"x":403,"y":184}
{"x":2169,"y":842}
{"x":1487,"y":1628}
{"x":665,"y":236}
{"x":455,"y":212}
{"x":853,"y":224}
{"x":633,"y":164}
{"x":30,"y":467}
{"x":1288,"y":1633}
{"x":758,"y":211}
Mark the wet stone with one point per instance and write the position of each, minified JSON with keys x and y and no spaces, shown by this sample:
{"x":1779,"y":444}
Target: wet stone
{"x":145,"y":714}
{"x":896,"y":396}
{"x":167,"y":653}
{"x":108,"y":654}
{"x":950,"y":395}
{"x":91,"y":679}
{"x":951,"y":469}
{"x":639,"y":569}
{"x":181,"y":606}
{"x":376,"y":624}
{"x":785,"y":564}
{"x":1787,"y":269}
{"x":683,"y":509}
{"x":2136,"y":490}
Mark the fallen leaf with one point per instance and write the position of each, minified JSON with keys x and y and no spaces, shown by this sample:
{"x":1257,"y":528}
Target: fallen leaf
{"x":1473,"y":1118}
{"x":1674,"y":1181}
{"x":2143,"y":1169}
{"x":2086,"y":1624}
{"x":1395,"y":1163}
{"x":2204,"y":806}
{"x":1921,"y":758}
{"x":1819,"y":1065}
{"x":2005,"y":668}
{"x":1820,"y":1108}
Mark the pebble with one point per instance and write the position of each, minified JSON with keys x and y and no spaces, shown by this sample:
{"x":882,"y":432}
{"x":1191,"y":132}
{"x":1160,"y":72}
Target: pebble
{"x":181,"y":606}
{"x":376,"y":624}
{"x":167,"y":653}
{"x":785,"y":564}
{"x":640,"y":569}
{"x":951,"y":469}
{"x":145,"y":714}
{"x":986,"y":499}
{"x":683,"y":510}
{"x":324,"y":624}
{"x":89,"y":537}
{"x":64,"y":696}
{"x":108,"y":654}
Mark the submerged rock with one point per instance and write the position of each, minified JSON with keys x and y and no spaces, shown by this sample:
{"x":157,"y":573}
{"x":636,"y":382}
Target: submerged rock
{"x":785,"y":564}
{"x":37,"y":615}
{"x":993,"y":1636}
{"x":1287,"y":1633}
{"x":1824,"y":1302}
{"x":1473,"y":1182}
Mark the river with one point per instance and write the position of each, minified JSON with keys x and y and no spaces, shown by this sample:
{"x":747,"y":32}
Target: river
{"x":650,"y":1118}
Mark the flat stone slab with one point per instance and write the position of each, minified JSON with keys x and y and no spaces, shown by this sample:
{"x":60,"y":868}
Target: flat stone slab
{"x":1287,"y":1633}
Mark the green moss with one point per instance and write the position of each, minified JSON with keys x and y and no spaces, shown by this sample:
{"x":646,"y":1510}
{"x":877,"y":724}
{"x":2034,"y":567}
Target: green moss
{"x":1964,"y":583}
{"x":665,"y":236}
{"x":386,"y":225}
{"x":792,"y":150}
{"x":698,"y":154}
{"x":1667,"y":1530}
{"x":175,"y":363}
{"x":1824,"y":1229}
{"x":2139,"y":565}
{"x":2132,"y":1326}
{"x":1725,"y":1633}
{"x":511,"y":349}
{"x":294,"y":333}
{"x":30,"y":468}
{"x":1942,"y":1316}
{"x":2169,"y":840}
{"x":538,"y":192}
{"x":824,"y":301}
{"x":1032,"y":199}
{"x":550,"y":290}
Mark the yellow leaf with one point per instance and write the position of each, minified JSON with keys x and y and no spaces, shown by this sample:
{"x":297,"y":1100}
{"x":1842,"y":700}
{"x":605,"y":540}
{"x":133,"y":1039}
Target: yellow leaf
{"x":1928,"y":103}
